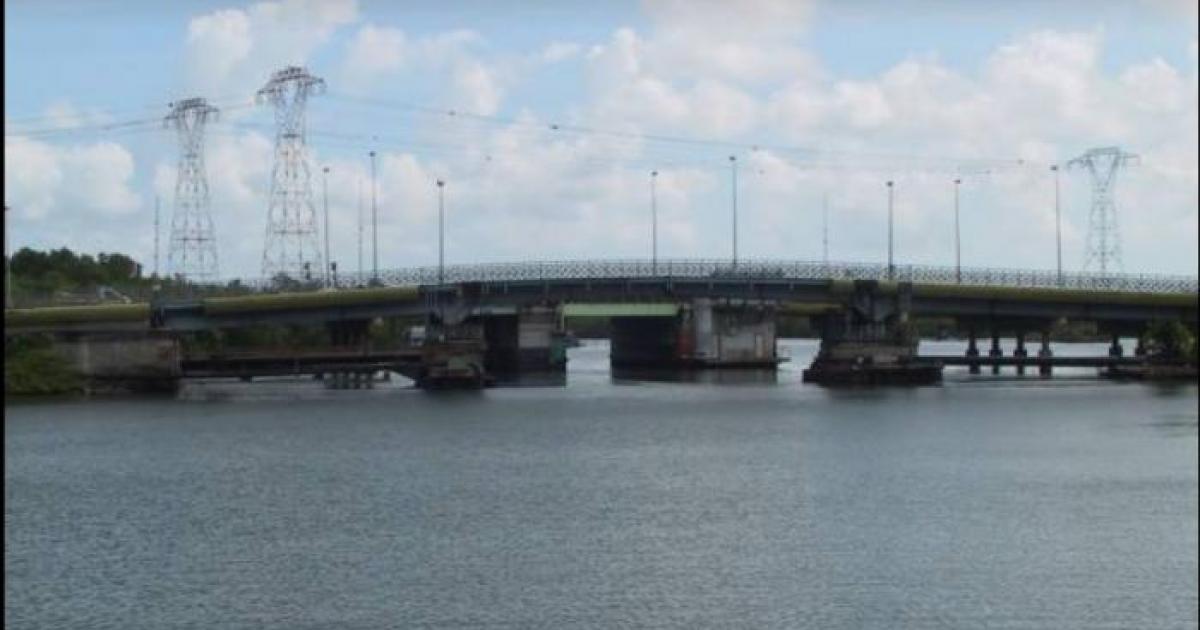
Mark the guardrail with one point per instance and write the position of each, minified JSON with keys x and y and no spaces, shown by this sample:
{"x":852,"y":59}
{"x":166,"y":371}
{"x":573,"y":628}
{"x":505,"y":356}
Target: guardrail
{"x":668,"y":269}
{"x":752,"y":270}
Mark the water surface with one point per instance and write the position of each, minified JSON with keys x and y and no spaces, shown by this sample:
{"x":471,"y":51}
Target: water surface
{"x":748,"y":501}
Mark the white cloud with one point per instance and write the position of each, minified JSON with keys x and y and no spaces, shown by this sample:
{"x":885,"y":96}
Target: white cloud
{"x":706,"y":70}
{"x":374,"y":51}
{"x":48,"y":182}
{"x":232,"y":52}
{"x":555,"y":52}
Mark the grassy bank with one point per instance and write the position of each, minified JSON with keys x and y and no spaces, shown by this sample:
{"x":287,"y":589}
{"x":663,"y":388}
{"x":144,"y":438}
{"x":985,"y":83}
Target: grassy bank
{"x":33,"y":368}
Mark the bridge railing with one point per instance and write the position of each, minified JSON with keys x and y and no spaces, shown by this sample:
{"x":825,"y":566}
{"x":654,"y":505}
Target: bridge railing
{"x":716,"y":270}
{"x":760,"y":270}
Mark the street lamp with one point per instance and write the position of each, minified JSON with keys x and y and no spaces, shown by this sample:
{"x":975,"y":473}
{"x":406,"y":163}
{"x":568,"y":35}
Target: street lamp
{"x":441,"y":255}
{"x":441,"y":231}
{"x":1057,"y":226}
{"x":653,"y":223}
{"x":733,"y":175}
{"x":325,"y":194}
{"x":374,"y":227}
{"x":957,"y":237}
{"x":891,"y":268}
{"x":7,"y":264}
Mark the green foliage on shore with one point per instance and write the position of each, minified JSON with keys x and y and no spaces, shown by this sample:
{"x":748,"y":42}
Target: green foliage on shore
{"x":33,"y":368}
{"x":1066,"y":296}
{"x":1171,"y":340}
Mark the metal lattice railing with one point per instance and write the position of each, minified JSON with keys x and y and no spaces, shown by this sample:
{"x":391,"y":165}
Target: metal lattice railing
{"x":749,"y":270}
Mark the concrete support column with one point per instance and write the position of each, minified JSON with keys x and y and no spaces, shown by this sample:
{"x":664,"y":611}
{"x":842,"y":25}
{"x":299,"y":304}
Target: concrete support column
{"x":995,"y":352}
{"x":528,"y":343}
{"x":1020,"y":351}
{"x":1045,"y":354}
{"x":972,"y":351}
{"x":1115,"y":350}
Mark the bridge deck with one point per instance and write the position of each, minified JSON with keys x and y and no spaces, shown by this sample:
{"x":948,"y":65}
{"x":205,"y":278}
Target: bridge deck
{"x":1033,"y":361}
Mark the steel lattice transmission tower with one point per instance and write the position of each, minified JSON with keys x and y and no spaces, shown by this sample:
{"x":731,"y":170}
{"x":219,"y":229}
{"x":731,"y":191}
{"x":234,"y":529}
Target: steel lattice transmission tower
{"x":291,"y":242}
{"x":192,"y":248}
{"x":1103,"y":239}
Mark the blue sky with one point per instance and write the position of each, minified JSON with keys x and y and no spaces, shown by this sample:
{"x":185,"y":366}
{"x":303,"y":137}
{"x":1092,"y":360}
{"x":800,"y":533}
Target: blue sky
{"x":1030,"y":80}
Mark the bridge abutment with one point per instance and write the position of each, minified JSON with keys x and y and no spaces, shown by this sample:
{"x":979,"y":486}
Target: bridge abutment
{"x":119,"y":362}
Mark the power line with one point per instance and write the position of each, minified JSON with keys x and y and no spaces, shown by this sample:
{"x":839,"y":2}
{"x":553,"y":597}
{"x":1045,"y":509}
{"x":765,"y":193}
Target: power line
{"x":672,"y":139}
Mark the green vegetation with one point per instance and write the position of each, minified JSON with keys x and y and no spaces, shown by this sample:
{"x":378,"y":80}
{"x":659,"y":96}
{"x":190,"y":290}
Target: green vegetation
{"x":75,"y":314}
{"x":32,"y":367}
{"x":62,"y":277}
{"x":1072,"y":296}
{"x":1171,"y":340}
{"x":288,"y":301}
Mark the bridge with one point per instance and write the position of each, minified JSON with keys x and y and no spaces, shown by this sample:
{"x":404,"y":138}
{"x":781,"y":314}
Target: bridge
{"x":668,"y":313}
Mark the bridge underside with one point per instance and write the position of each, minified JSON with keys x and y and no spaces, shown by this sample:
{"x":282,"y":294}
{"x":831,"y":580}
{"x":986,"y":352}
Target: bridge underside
{"x":515,"y":327}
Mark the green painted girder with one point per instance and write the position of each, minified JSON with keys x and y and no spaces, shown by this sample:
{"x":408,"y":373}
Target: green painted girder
{"x":630,"y":309}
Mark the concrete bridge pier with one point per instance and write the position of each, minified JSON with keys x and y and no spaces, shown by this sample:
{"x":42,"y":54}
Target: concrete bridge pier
{"x":729,"y":334}
{"x":972,"y":350}
{"x":995,"y":351}
{"x":526,"y":345}
{"x":1115,"y":350}
{"x":871,"y":341}
{"x":1044,"y":368}
{"x":348,"y":335}
{"x":701,"y":334}
{"x":1020,"y":351}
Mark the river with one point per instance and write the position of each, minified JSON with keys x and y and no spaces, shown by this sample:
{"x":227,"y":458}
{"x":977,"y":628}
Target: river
{"x":748,"y":502}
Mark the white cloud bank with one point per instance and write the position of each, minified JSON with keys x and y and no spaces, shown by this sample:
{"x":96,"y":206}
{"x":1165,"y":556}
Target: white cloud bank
{"x":704,"y":70}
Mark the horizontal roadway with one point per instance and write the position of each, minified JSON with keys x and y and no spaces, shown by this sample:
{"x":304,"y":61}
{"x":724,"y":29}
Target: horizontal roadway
{"x":802,"y":287}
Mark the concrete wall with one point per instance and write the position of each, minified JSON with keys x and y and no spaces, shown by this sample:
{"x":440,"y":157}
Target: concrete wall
{"x":530,"y":341}
{"x":124,"y":362}
{"x":730,"y":334}
{"x":120,"y":357}
{"x":705,"y":334}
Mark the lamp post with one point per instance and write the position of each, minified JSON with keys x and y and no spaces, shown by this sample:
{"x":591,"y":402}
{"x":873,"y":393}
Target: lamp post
{"x":653,"y":223}
{"x":733,"y":187}
{"x":360,"y":231}
{"x":7,"y":264}
{"x":441,"y":278}
{"x":957,"y":237}
{"x":374,"y":227}
{"x":1057,"y":227}
{"x":325,"y":195}
{"x":891,"y":268}
{"x":441,"y":232}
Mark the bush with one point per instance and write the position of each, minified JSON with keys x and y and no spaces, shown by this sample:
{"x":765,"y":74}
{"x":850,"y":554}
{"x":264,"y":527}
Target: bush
{"x":1171,"y":339}
{"x":39,"y":371}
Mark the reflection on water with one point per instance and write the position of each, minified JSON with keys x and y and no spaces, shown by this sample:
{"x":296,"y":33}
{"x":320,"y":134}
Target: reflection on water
{"x":739,"y":376}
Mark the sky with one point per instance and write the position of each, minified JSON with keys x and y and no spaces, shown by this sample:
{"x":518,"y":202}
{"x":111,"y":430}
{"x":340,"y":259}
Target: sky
{"x":562,"y":110}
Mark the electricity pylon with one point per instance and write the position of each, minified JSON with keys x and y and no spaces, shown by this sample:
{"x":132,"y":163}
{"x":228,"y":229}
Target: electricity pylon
{"x":291,"y":241}
{"x":1103,"y":239}
{"x":192,"y":249}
